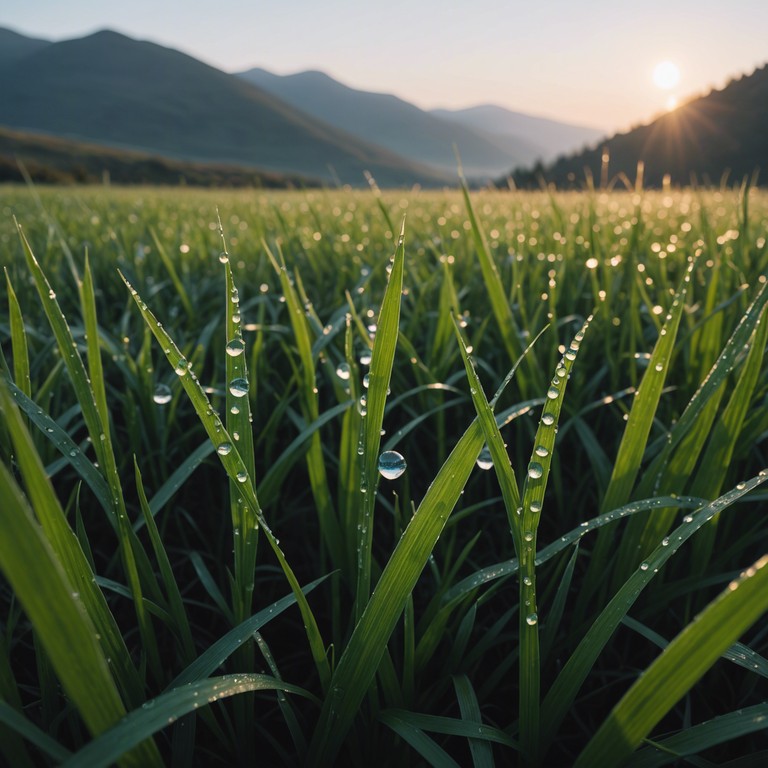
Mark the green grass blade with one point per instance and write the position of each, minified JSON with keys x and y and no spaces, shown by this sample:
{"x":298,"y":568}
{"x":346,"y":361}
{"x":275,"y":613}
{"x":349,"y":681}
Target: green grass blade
{"x":173,"y":274}
{"x":27,"y":729}
{"x":235,"y":469}
{"x":495,"y":292}
{"x":175,"y":603}
{"x":432,"y":752}
{"x":635,"y":438}
{"x":95,"y":368}
{"x":308,"y":394}
{"x":19,"y":347}
{"x":699,"y":737}
{"x":563,"y":692}
{"x":506,"y":568}
{"x":482,"y":753}
{"x":68,"y":551}
{"x":59,"y":617}
{"x":361,"y":658}
{"x":158,"y":713}
{"x":679,"y":667}
{"x":451,"y":726}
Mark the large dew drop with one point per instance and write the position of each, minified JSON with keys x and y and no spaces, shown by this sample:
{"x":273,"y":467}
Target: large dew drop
{"x":224,"y":449}
{"x":485,"y":460}
{"x":391,"y":465}
{"x":238,"y":387}
{"x":162,"y":395}
{"x":535,"y":470}
{"x":343,"y":371}
{"x":235,"y":347}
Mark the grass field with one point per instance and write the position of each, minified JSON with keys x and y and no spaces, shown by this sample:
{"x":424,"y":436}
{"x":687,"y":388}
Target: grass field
{"x":204,"y":565}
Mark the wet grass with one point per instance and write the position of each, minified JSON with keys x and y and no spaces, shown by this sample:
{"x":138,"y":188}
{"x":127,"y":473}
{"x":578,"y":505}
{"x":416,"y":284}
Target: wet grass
{"x":224,"y":568}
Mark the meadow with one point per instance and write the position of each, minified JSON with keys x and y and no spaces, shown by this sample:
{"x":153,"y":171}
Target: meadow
{"x":363,"y":478}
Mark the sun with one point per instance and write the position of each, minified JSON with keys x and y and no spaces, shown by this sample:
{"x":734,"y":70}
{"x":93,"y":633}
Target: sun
{"x":666,"y":75}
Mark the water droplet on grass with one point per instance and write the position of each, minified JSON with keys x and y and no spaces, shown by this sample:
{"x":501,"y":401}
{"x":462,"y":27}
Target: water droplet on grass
{"x":553,"y":393}
{"x":548,"y":419}
{"x":238,"y":387}
{"x":223,"y":257}
{"x":242,"y":476}
{"x":343,"y":371}
{"x":235,"y":347}
{"x":535,"y":470}
{"x":541,"y":451}
{"x":224,"y":448}
{"x":391,"y":465}
{"x":366,"y":380}
{"x":162,"y":394}
{"x":531,"y":619}
{"x":181,"y":367}
{"x":485,"y":460}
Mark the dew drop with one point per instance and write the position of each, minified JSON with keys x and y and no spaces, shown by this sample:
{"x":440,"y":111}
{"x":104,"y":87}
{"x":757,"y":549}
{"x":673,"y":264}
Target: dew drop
{"x":548,"y":419}
{"x":485,"y":460}
{"x":531,"y":619}
{"x":535,"y":470}
{"x":235,"y":347}
{"x":535,"y":507}
{"x":365,"y":358}
{"x":181,"y":367}
{"x":238,"y":387}
{"x":553,"y":393}
{"x":223,"y":449}
{"x":541,"y":451}
{"x":391,"y":465}
{"x":643,"y":566}
{"x":242,"y":476}
{"x":162,"y":395}
{"x":366,"y":380}
{"x":343,"y":371}
{"x":528,"y":535}
{"x":223,"y":257}
{"x":659,"y":367}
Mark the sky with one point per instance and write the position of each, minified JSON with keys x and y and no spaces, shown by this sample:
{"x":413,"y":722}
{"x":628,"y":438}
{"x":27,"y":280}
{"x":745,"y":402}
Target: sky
{"x":588,"y":62}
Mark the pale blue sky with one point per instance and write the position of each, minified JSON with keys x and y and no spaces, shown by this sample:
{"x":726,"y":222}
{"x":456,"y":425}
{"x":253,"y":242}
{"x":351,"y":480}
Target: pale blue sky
{"x":588,"y":62}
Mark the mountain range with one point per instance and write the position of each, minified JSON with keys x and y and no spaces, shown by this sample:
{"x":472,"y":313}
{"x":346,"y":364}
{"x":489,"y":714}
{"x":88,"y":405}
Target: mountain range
{"x":129,"y":94}
{"x":721,"y":135}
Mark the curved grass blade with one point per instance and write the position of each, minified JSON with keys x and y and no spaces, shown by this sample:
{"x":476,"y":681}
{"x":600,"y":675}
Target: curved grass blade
{"x":450,"y":726}
{"x":482,"y":753}
{"x":679,"y":667}
{"x":567,"y":684}
{"x":158,"y":713}
{"x":235,"y":469}
{"x":59,"y":617}
{"x":69,"y":450}
{"x":427,"y":747}
{"x":214,"y":656}
{"x":699,"y":737}
{"x":68,"y":552}
{"x":510,"y":567}
{"x":28,"y":730}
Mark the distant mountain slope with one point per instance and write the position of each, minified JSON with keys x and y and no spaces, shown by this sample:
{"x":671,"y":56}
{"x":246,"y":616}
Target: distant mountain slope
{"x":51,"y":159}
{"x":725,"y":131}
{"x":395,"y":124}
{"x":13,"y":45}
{"x":552,"y":137}
{"x":111,"y":89}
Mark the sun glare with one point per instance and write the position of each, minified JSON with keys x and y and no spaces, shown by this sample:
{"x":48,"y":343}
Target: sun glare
{"x":666,"y":75}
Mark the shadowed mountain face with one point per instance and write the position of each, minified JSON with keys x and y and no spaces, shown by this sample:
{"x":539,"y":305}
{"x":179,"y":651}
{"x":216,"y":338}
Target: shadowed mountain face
{"x":111,"y":89}
{"x":487,"y":138}
{"x":721,"y":133}
{"x":13,"y":45}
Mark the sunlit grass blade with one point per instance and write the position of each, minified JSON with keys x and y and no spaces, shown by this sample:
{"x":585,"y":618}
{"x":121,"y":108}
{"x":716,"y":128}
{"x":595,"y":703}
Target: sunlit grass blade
{"x":158,"y":713}
{"x":635,"y":438}
{"x":100,"y":439}
{"x":379,"y":375}
{"x":18,"y":341}
{"x":679,"y":667}
{"x":235,"y":469}
{"x":697,"y":738}
{"x":59,"y":617}
{"x":497,"y":297}
{"x":69,"y":553}
{"x":329,"y":524}
{"x":69,"y":450}
{"x":562,"y":694}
